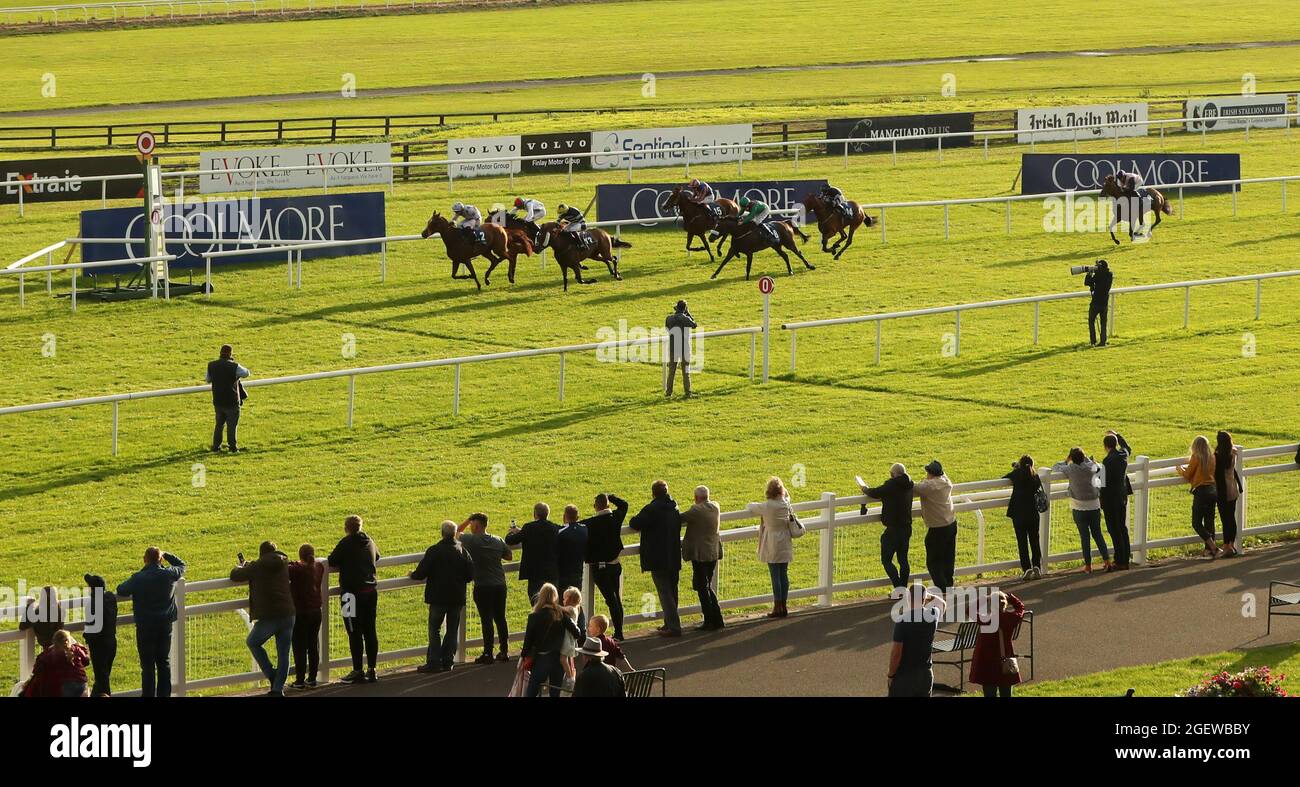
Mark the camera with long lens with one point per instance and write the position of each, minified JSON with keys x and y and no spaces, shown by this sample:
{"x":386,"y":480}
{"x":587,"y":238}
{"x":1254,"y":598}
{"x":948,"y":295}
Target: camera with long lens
{"x":1076,"y":270}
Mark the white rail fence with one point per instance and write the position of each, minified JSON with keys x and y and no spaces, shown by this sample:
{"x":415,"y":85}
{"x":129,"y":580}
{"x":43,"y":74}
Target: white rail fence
{"x":839,"y":567}
{"x":120,"y":10}
{"x":700,"y":153}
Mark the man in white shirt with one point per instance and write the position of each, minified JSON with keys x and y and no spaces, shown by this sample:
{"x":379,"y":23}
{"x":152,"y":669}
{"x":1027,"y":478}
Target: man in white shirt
{"x":940,"y":525}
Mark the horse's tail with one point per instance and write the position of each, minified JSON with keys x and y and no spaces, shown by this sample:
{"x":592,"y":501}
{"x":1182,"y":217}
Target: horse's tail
{"x":619,"y":243}
{"x":795,"y":229}
{"x":1165,"y":209}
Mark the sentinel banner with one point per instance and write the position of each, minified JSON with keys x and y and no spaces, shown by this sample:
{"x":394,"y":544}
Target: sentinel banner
{"x":638,"y":201}
{"x":661,"y":147}
{"x":1055,"y":124}
{"x":1225,"y":113}
{"x":349,"y":165}
{"x":195,"y":227}
{"x":1044,"y":173}
{"x":873,"y":134}
{"x":37,"y":185}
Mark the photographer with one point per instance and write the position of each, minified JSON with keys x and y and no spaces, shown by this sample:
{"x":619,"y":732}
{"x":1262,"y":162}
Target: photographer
{"x":679,"y":326}
{"x":1099,"y":280}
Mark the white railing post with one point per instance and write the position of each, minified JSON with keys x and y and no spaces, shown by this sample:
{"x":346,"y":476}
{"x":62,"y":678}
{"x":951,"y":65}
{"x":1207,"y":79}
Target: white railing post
{"x":26,"y":647}
{"x":324,"y":672}
{"x":767,"y":333}
{"x":115,"y":428}
{"x":352,"y":397}
{"x":1259,"y":296}
{"x":957,"y":337}
{"x":1239,"y":467}
{"x":1187,"y":306}
{"x":455,"y":396}
{"x":1045,"y":520}
{"x":878,"y":322}
{"x":826,"y":556}
{"x":1036,"y":305}
{"x":22,"y":290}
{"x":561,"y":377}
{"x":178,"y":641}
{"x":793,"y":335}
{"x":460,"y":634}
{"x":1142,"y":508}
{"x":884,"y":236}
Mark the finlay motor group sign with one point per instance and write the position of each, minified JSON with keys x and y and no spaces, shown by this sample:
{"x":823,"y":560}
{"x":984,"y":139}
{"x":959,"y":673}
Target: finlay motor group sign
{"x":469,"y":157}
{"x":1225,"y":113}
{"x":659,"y":147}
{"x":39,"y":179}
{"x":1046,"y":173}
{"x":263,"y":169}
{"x":1056,"y":124}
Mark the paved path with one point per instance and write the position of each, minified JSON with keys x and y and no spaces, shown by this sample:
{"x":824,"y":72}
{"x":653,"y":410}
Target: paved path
{"x":601,"y":79}
{"x":1084,"y":624}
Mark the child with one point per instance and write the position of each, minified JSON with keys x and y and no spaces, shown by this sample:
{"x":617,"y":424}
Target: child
{"x":573,"y":608}
{"x":596,"y":629}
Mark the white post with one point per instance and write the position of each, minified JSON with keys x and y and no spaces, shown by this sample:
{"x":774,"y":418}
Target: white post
{"x":1259,"y":295}
{"x":753,"y":352}
{"x":460,"y":636}
{"x":1239,"y":466}
{"x":115,"y":428}
{"x":793,"y":335}
{"x":207,"y":276}
{"x":986,"y":148}
{"x":884,"y":238}
{"x":103,"y":193}
{"x":352,"y":397}
{"x":561,"y":377}
{"x":1008,"y":217}
{"x":1234,"y":200}
{"x":940,"y":141}
{"x":688,"y":171}
{"x":324,"y":672}
{"x":893,"y":144}
{"x":22,"y":294}
{"x":1045,"y":520}
{"x":1142,"y":508}
{"x":26,"y":647}
{"x":796,"y":159}
{"x":1187,"y":305}
{"x":878,"y":341}
{"x":288,"y":259}
{"x":74,"y":289}
{"x":1110,"y":323}
{"x":383,"y":262}
{"x":767,"y":332}
{"x":455,"y":396}
{"x":957,"y":339}
{"x":826,"y":558}
{"x":178,"y":641}
{"x":1036,"y":305}
{"x":300,"y":269}
{"x":945,"y":221}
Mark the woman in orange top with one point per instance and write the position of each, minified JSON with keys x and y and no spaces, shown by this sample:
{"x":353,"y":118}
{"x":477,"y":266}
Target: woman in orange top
{"x":1199,"y":473}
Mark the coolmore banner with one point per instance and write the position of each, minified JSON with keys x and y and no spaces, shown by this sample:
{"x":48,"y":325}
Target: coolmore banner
{"x":873,"y":134}
{"x":36,"y":175}
{"x":349,"y":165}
{"x":1044,"y":173}
{"x":1224,"y":113}
{"x":196,"y":227}
{"x":467,"y":156}
{"x":637,"y":201}
{"x":659,"y":147}
{"x":1054,"y":124}
{"x":559,"y":150}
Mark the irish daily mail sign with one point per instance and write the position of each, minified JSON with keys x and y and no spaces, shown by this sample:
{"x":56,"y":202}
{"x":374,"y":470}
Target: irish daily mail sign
{"x":1057,"y":124}
{"x":264,"y":169}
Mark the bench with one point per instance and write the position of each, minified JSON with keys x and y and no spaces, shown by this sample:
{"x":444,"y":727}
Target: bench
{"x":1279,"y":602}
{"x":963,"y":639}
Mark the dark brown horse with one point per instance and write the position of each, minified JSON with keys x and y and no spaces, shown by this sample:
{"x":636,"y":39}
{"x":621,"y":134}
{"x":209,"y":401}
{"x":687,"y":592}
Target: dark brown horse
{"x":831,"y":222}
{"x":751,"y":238}
{"x":698,"y":220}
{"x":570,"y":253}
{"x":500,"y":245}
{"x":1133,"y":210}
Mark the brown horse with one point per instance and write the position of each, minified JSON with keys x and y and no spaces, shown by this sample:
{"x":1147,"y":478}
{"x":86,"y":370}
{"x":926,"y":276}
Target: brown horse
{"x":752,"y":238}
{"x":831,"y":222}
{"x":1133,"y":210}
{"x":698,"y":220}
{"x":569,"y":253}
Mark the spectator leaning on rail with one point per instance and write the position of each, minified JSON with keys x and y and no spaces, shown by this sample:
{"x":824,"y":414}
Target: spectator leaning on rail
{"x":1022,"y":510}
{"x":446,"y":569}
{"x":60,"y":670}
{"x":660,"y":526}
{"x":305,"y":575}
{"x":1115,"y":492}
{"x":1085,"y":477}
{"x":597,"y":679}
{"x":993,"y":665}
{"x":702,"y":545}
{"x":153,"y":604}
{"x":679,"y":324}
{"x":775,"y":544}
{"x":354,"y":558}
{"x":895,"y":496}
{"x":228,"y":397}
{"x":916,"y":619}
{"x":1227,"y":488}
{"x":940,"y":520}
{"x":1199,"y":473}
{"x":43,"y":616}
{"x":488,"y":553}
{"x":570,"y":549}
{"x":604,"y":545}
{"x":101,"y":633}
{"x":539,"y":563}
{"x":270,"y":606}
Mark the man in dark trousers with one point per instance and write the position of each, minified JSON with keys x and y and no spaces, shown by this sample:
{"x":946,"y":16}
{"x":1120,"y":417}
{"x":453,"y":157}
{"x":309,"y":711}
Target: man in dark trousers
{"x":101,"y":633}
{"x":597,"y":678}
{"x":570,"y":550}
{"x":660,"y":526}
{"x":227,"y":397}
{"x":895,"y":496}
{"x":446,"y":569}
{"x":1099,"y":280}
{"x":354,"y":559}
{"x":538,"y":563}
{"x":679,"y":324}
{"x":1115,"y":494}
{"x":151,"y":590}
{"x":270,"y":607}
{"x":604,"y":545}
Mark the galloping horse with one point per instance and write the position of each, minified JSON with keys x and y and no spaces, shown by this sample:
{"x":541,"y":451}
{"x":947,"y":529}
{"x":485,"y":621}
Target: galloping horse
{"x":569,"y":253}
{"x":501,"y":245}
{"x":832,"y":222}
{"x":756,"y":239}
{"x":698,"y":220}
{"x":1137,"y":207}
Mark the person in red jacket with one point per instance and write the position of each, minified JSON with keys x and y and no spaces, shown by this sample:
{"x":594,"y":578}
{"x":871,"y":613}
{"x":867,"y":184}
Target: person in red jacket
{"x":992,"y":648}
{"x":60,"y":670}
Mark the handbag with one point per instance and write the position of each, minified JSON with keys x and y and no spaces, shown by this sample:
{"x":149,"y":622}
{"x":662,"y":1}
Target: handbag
{"x":520,"y":684}
{"x":1010,"y":665}
{"x":1041,"y":502}
{"x":796,"y":527}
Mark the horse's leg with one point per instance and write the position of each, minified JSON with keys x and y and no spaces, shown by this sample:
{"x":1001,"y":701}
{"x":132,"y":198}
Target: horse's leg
{"x":835,"y":247}
{"x":785,"y":257}
{"x":731,"y":253}
{"x":792,"y":247}
{"x":564,"y":269}
{"x":848,"y":241}
{"x":749,"y":263}
{"x":1114,"y":222}
{"x":472,"y":274}
{"x":1156,"y":223}
{"x":510,"y":272}
{"x":488,"y":275}
{"x":827,"y":249}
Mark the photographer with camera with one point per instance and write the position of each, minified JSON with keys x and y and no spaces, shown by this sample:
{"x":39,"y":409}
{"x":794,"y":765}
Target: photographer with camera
{"x":1098,"y":279}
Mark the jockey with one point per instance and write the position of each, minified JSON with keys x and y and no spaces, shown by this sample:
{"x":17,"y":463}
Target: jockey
{"x":700,"y":192}
{"x":753,"y":212}
{"x":467,"y":217}
{"x":1130,"y":182}
{"x":572,"y":221}
{"x":533,"y":210}
{"x":835,"y":199}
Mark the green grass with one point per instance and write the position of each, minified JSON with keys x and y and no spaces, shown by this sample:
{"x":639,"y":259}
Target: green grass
{"x":1170,"y":677}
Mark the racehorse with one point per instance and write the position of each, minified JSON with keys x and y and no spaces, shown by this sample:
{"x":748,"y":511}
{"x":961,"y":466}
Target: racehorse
{"x":756,"y":239}
{"x":698,"y":220}
{"x":569,"y":252}
{"x":520,"y":239}
{"x":832,"y":222}
{"x":1124,"y":204}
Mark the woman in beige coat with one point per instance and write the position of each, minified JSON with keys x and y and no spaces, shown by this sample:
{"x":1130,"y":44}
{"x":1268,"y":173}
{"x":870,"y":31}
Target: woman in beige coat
{"x":774,"y":542}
